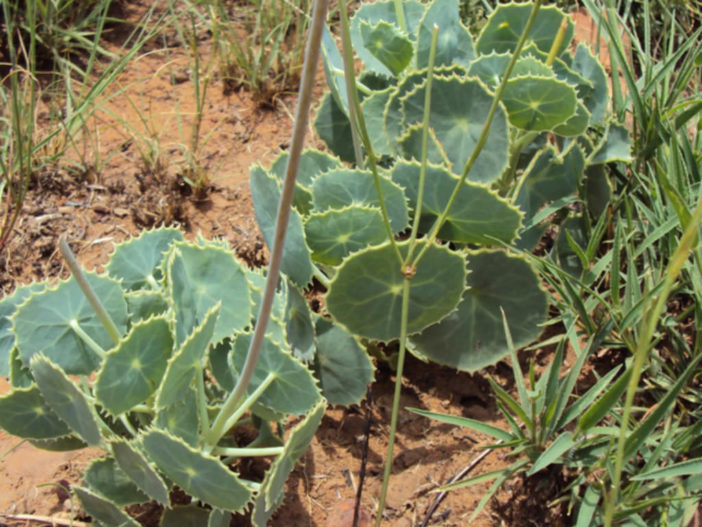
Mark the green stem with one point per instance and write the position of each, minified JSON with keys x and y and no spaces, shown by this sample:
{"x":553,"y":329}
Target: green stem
{"x":320,"y":276}
{"x":304,"y":102}
{"x":94,"y":301}
{"x":202,"y":399}
{"x":128,"y":425}
{"x":87,"y":339}
{"x":153,"y":284}
{"x":643,"y":347}
{"x":248,"y":452}
{"x":400,"y":15}
{"x":482,"y":140}
{"x":231,"y":412}
{"x":361,"y":123}
{"x":425,"y":143}
{"x":395,"y":400}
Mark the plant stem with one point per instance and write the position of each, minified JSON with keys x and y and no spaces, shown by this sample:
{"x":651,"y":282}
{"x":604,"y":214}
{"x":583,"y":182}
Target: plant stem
{"x":202,"y":398}
{"x":361,"y":122}
{"x":94,"y":301}
{"x":248,"y":452}
{"x":226,"y":418}
{"x":400,"y":15}
{"x":482,"y":140}
{"x":425,"y":142}
{"x":94,"y":346}
{"x":643,"y":347}
{"x":298,"y":136}
{"x":395,"y":399}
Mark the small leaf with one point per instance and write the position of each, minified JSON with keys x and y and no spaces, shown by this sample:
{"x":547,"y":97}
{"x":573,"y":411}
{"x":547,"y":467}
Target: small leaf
{"x":334,"y":234}
{"x":553,"y":453}
{"x":616,"y":146}
{"x":334,"y":128}
{"x":106,"y":478}
{"x":459,"y":108}
{"x":136,"y":262}
{"x":577,"y":124}
{"x":312,"y":164}
{"x":597,"y":411}
{"x":585,"y":63}
{"x":508,"y":21}
{"x":64,"y":398}
{"x":23,"y":413}
{"x":265,"y":193}
{"x":342,"y":365}
{"x":365,"y":296}
{"x":293,"y":389}
{"x":181,"y":417}
{"x":272,"y":490}
{"x":538,"y":103}
{"x":338,"y":189}
{"x":373,"y":108}
{"x":490,"y":68}
{"x":386,"y":43}
{"x":144,"y":304}
{"x":478,"y":214}
{"x":298,"y":326}
{"x":691,"y":467}
{"x":135,"y":465}
{"x":59,"y":444}
{"x":42,"y":325}
{"x":219,"y":518}
{"x":465,"y":422}
{"x":200,"y":475}
{"x":473,"y":336}
{"x":454,"y":44}
{"x":132,"y":371}
{"x":372,"y":14}
{"x":186,"y":362}
{"x":8,"y":306}
{"x":102,"y":510}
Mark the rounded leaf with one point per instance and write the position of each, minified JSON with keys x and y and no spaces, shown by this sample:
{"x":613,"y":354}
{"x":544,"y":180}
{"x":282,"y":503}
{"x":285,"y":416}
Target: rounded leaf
{"x":473,"y":336}
{"x":365,"y":296}
{"x":538,"y":103}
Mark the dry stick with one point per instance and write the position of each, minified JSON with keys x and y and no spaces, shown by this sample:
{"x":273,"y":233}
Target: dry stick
{"x":364,"y":455}
{"x":298,"y":137}
{"x":457,"y":477}
{"x":46,"y":519}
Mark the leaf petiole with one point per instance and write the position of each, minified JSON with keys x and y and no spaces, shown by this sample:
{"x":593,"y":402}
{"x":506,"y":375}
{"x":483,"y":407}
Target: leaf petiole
{"x":87,"y":340}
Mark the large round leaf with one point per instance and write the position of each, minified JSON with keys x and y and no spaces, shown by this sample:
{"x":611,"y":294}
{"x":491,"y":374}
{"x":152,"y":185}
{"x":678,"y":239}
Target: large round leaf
{"x":43,"y":324}
{"x":478,"y":215}
{"x":25,"y":414}
{"x":459,"y":109}
{"x":104,"y":476}
{"x":8,"y":306}
{"x":365,"y":296}
{"x":473,"y":336}
{"x":131,"y":372}
{"x":539,"y":103}
{"x":334,"y":234}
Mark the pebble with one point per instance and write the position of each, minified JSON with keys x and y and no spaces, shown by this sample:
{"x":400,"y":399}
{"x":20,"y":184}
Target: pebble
{"x":120,"y":212}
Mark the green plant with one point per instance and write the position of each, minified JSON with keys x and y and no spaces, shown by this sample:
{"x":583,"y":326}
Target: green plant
{"x":260,"y":44}
{"x":140,"y":362}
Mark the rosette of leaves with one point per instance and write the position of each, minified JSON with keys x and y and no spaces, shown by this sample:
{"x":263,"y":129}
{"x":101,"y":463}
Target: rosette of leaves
{"x":550,"y":137}
{"x":149,"y":387}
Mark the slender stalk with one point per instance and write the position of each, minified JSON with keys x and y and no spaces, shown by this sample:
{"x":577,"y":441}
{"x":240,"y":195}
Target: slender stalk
{"x":94,"y":346}
{"x":202,"y":398}
{"x":248,"y":452}
{"x":298,"y":136}
{"x":361,"y":123}
{"x":94,"y":301}
{"x":482,"y":140}
{"x":400,"y":15}
{"x":395,"y":400}
{"x":425,"y":143}
{"x":220,"y":427}
{"x":643,"y":348}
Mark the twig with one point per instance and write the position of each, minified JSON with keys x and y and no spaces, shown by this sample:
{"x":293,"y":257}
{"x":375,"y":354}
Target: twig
{"x":45,"y":519}
{"x":457,"y":477}
{"x":364,"y":456}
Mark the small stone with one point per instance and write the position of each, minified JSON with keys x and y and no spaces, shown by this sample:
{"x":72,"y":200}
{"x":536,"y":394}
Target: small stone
{"x":101,"y":209}
{"x":65,"y":210}
{"x":120,"y":212}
